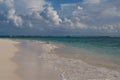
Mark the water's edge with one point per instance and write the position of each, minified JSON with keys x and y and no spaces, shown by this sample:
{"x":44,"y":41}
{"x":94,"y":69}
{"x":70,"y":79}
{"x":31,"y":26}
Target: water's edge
{"x":33,"y":59}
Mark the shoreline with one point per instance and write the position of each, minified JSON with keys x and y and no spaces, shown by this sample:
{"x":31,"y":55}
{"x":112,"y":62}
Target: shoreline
{"x":42,"y":60}
{"x":35,"y":60}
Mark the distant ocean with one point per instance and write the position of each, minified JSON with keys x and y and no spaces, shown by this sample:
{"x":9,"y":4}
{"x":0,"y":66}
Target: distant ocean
{"x":101,"y":51}
{"x":100,"y":45}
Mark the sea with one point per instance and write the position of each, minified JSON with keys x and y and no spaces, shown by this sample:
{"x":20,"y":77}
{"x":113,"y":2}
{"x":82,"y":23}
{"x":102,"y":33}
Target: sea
{"x":98,"y":51}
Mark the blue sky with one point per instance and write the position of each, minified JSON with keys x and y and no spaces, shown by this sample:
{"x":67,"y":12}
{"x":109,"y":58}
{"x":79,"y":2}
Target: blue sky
{"x":57,"y":3}
{"x":60,"y":17}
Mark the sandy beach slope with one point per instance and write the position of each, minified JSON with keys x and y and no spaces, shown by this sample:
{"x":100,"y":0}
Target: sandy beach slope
{"x":7,"y":66}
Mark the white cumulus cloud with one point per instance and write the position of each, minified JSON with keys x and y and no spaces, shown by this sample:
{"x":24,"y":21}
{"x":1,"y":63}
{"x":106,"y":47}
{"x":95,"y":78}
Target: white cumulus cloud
{"x":17,"y":20}
{"x":11,"y":12}
{"x":51,"y":16}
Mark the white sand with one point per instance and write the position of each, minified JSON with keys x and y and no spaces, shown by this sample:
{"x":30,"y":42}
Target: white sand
{"x":7,"y":66}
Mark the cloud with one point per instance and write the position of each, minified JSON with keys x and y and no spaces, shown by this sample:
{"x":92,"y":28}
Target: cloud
{"x":8,"y":3}
{"x":110,"y":28}
{"x":37,"y":11}
{"x":92,"y":1}
{"x":17,"y":20}
{"x":80,"y":25}
{"x":30,"y":25}
{"x":29,"y":5}
{"x":79,"y":8}
{"x":68,"y":22}
{"x":111,"y":12}
{"x":35,"y":15}
{"x":1,"y":1}
{"x":94,"y":14}
{"x":10,"y":12}
{"x":51,"y":16}
{"x":39,"y":16}
{"x":15,"y":12}
{"x":65,"y":6}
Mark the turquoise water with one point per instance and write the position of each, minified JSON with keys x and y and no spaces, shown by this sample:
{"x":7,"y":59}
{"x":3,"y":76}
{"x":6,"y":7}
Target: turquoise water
{"x":98,"y":51}
{"x":103,"y":51}
{"x":100,"y":45}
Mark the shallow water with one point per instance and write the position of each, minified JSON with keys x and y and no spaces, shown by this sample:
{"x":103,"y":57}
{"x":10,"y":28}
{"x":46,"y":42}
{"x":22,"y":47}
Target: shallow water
{"x":102,"y":51}
{"x":37,"y":61}
{"x":89,"y":57}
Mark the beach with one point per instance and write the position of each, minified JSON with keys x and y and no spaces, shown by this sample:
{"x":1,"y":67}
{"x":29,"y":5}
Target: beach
{"x":7,"y":66}
{"x":35,"y":60}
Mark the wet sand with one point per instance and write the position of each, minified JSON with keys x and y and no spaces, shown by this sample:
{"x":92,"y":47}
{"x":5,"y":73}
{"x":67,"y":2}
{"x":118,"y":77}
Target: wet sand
{"x":35,"y":60}
{"x":34,"y":63}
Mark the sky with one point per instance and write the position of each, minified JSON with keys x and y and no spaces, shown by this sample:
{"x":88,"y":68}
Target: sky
{"x":60,"y":17}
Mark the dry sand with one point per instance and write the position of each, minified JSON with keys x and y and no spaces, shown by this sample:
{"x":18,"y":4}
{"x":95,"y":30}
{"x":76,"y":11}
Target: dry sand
{"x":7,"y":66}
